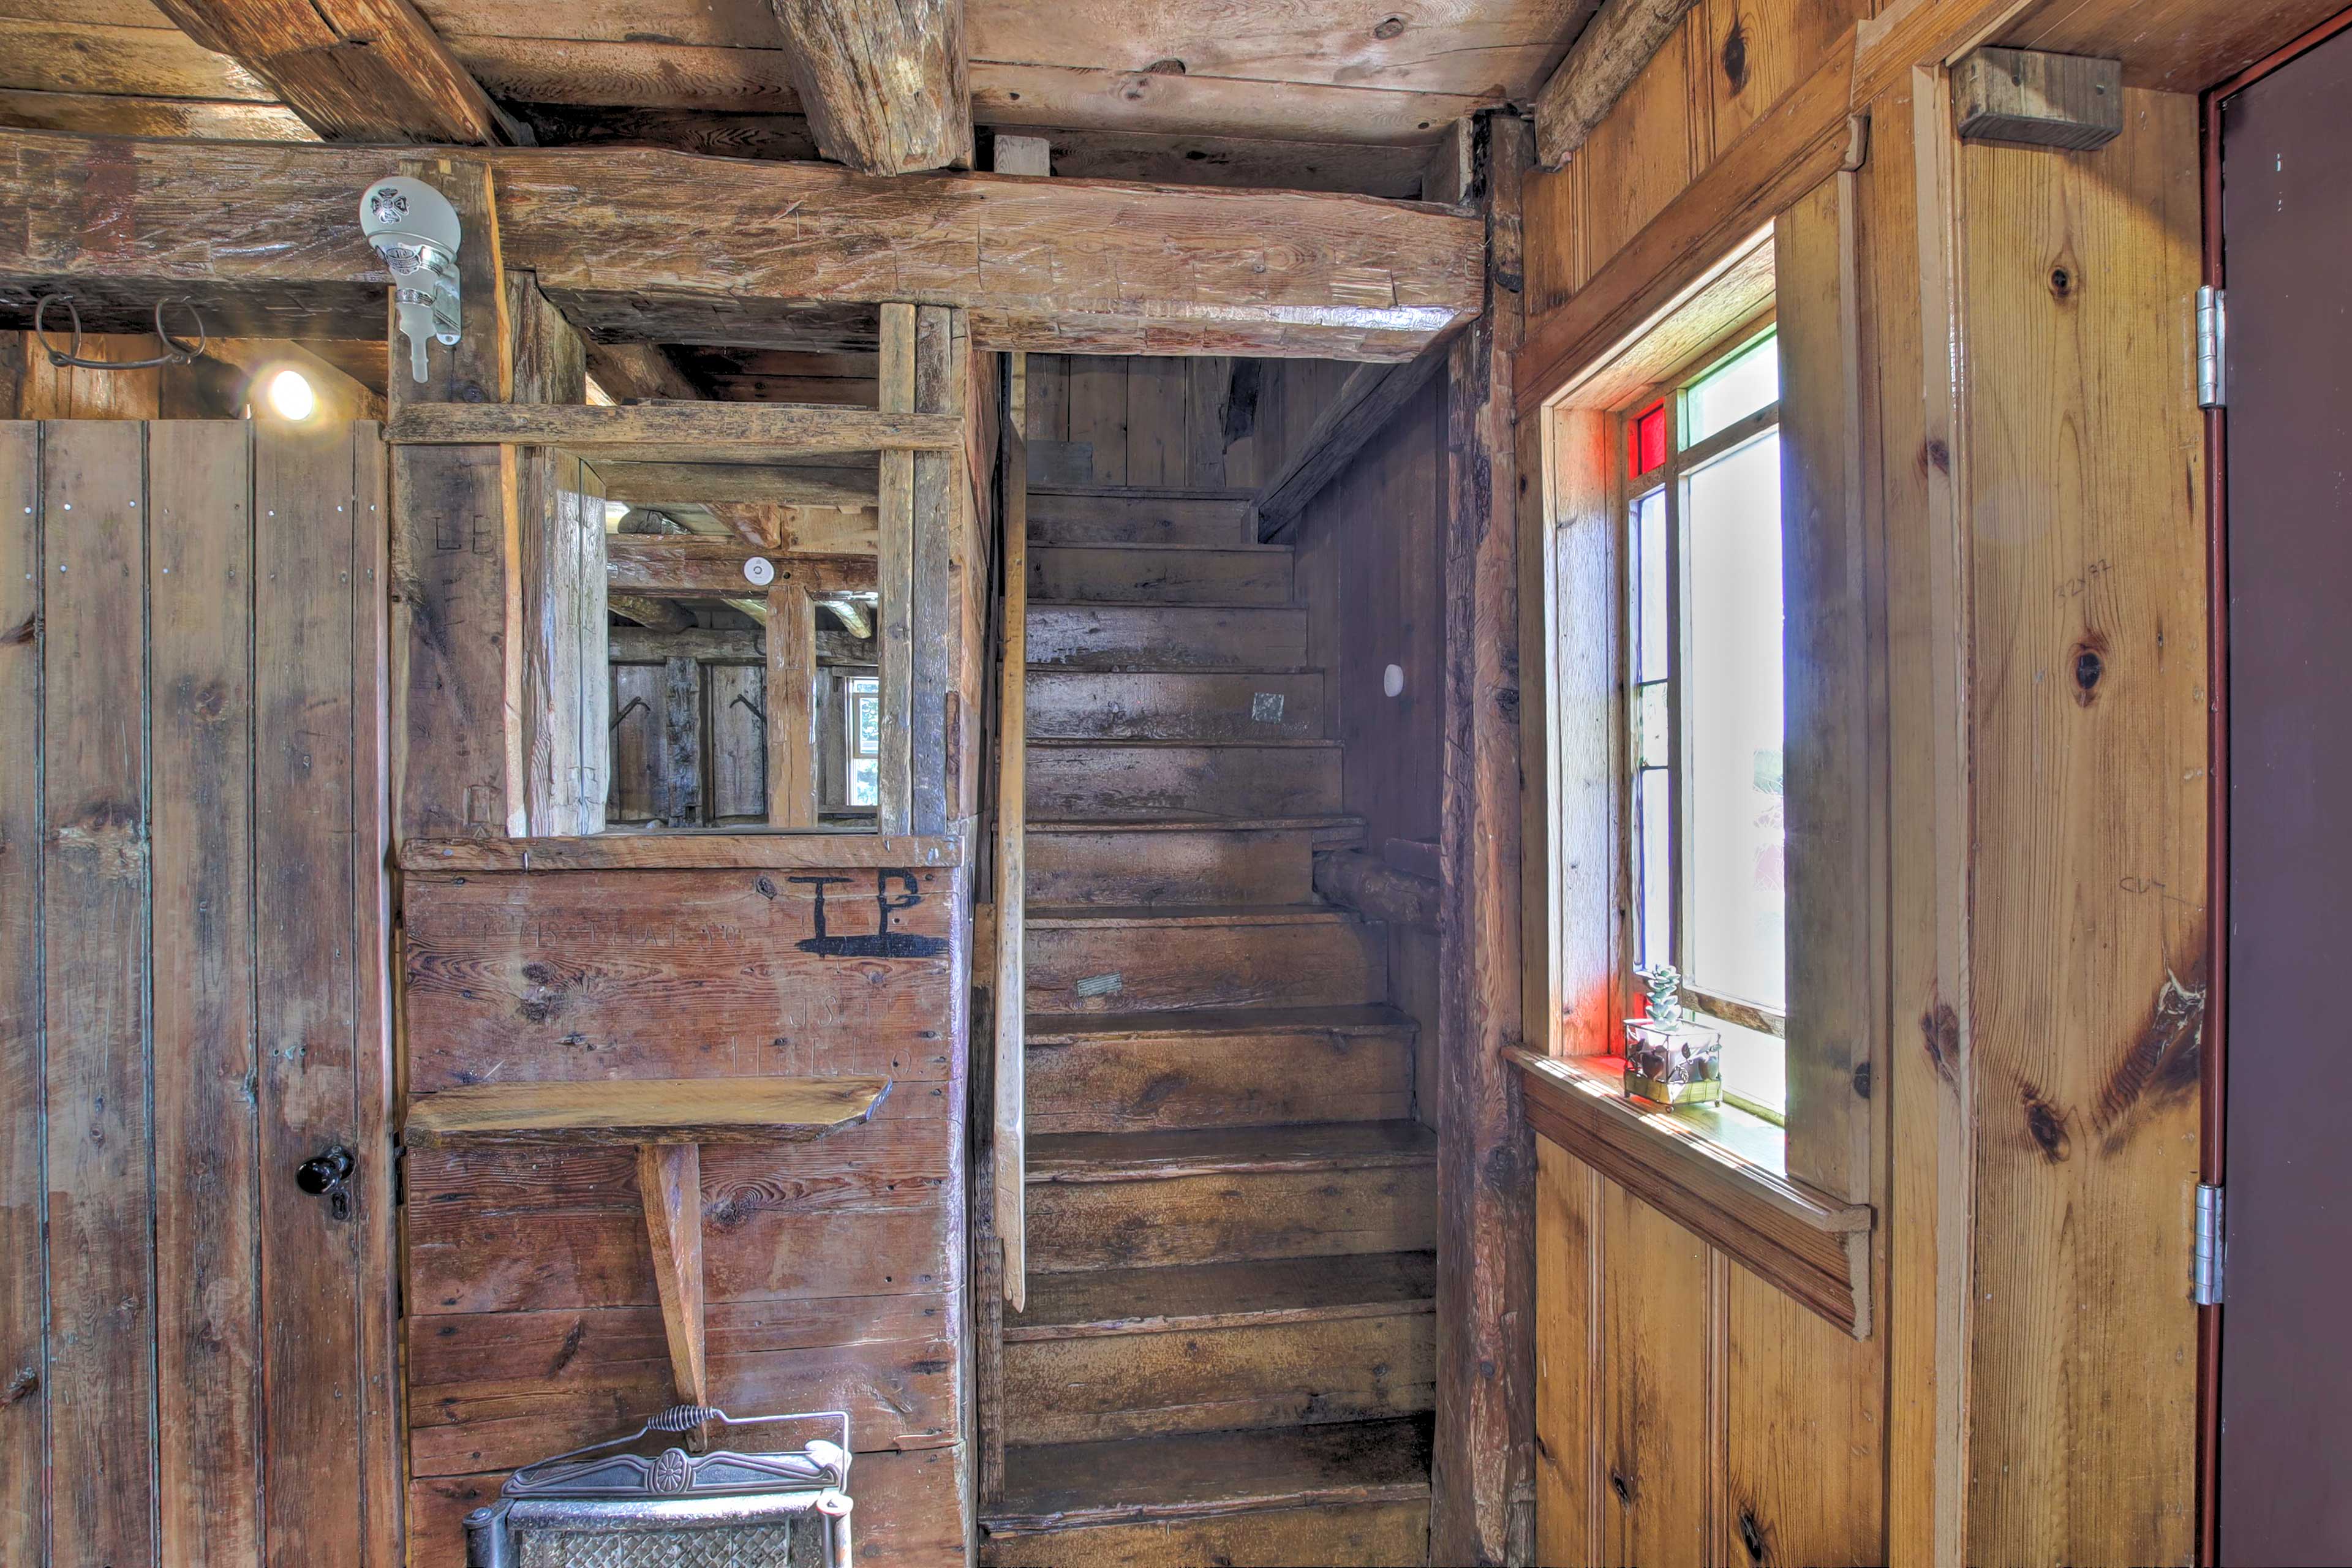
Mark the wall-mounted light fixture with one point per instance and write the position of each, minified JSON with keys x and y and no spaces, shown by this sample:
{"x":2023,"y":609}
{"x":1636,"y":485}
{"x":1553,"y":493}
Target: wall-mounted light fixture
{"x":290,"y":394}
{"x":416,"y":231}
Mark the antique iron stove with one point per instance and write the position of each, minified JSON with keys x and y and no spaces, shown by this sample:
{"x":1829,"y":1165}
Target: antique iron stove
{"x":604,"y":1505}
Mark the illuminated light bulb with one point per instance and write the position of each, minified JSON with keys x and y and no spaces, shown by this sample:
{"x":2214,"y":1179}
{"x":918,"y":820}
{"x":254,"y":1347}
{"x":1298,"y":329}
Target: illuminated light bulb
{"x":290,"y":396}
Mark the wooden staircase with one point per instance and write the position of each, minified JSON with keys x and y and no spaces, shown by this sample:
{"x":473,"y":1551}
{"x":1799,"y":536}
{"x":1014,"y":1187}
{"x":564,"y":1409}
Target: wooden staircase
{"x":1227,"y":1354}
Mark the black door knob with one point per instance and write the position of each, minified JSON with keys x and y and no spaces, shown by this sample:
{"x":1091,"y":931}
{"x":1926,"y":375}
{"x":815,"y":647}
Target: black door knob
{"x":325,"y":1174}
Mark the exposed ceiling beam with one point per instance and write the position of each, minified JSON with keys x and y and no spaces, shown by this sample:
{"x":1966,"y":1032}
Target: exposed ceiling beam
{"x":667,"y":248}
{"x":354,"y":70}
{"x":882,"y":81}
{"x":712,"y":568}
{"x":1609,"y":54}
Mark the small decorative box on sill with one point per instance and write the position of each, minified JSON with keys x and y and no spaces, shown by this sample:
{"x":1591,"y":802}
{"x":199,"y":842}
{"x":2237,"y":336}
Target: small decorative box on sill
{"x":1669,"y":1058}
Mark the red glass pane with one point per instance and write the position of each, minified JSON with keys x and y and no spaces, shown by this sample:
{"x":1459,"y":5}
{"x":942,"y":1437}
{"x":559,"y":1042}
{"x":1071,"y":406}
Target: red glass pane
{"x":1645,"y":440}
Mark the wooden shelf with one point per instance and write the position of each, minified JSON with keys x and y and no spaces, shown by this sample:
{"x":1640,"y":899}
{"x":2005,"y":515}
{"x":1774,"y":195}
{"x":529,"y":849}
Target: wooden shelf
{"x":667,"y":1120}
{"x":642,"y":1111}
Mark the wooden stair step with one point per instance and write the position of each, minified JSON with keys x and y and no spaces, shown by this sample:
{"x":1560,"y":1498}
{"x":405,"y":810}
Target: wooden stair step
{"x":1128,"y":959}
{"x":1162,"y":1156}
{"x":1221,"y":1346}
{"x":1072,"y":1028}
{"x":1179,"y":860}
{"x":1191,"y":705}
{"x":1107,"y":779}
{"x":1165,"y":636}
{"x":1218,"y":1068}
{"x":1161,"y":574}
{"x":1137,"y":516}
{"x":1126,"y":1200}
{"x":1354,"y":1492}
{"x":1116,"y":1302}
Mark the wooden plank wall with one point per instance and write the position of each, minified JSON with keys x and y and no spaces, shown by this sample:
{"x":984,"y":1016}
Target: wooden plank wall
{"x":1210,"y":423}
{"x":2028,"y":1390}
{"x":834,"y":1269}
{"x":198,"y":1357}
{"x":1369,"y":573}
{"x":1728,"y":62}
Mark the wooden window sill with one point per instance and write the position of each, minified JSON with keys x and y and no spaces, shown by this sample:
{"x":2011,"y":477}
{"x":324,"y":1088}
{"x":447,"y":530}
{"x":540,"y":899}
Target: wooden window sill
{"x":1719,"y":1175}
{"x":688,"y":851}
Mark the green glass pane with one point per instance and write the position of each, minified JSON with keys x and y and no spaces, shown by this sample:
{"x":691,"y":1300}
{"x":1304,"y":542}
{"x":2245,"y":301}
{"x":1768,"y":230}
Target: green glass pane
{"x":1747,"y":380}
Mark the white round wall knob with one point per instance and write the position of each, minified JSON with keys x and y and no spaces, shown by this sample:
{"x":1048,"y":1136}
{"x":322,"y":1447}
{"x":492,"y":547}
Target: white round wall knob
{"x":1392,"y":679}
{"x":759,"y":571}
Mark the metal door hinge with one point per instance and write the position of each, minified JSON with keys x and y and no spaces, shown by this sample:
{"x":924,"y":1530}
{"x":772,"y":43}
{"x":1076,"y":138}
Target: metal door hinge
{"x":2211,"y":1245}
{"x":2212,"y":347}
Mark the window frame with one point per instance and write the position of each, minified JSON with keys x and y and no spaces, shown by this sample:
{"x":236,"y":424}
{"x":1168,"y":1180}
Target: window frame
{"x":852,"y":751}
{"x":1671,"y":392}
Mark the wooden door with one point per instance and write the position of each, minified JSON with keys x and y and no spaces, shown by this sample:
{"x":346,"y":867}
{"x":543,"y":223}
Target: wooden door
{"x":196,"y":1352}
{"x":2285,"y":1372}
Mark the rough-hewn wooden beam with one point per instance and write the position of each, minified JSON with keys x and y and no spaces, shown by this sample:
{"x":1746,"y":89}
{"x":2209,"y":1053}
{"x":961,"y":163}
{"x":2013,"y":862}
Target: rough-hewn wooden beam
{"x":761,"y":433}
{"x":354,"y":70}
{"x":713,"y":568}
{"x":836,"y":644}
{"x":1609,"y":54}
{"x":654,"y":614}
{"x":1366,"y":401}
{"x":882,"y":81}
{"x":720,"y":484}
{"x":668,"y":248}
{"x":1483,"y":1456}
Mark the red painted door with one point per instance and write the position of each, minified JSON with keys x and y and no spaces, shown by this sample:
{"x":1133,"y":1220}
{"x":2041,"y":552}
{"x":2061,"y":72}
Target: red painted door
{"x":2284,"y":1449}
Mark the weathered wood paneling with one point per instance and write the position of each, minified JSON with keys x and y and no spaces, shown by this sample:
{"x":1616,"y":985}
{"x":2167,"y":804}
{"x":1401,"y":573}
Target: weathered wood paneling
{"x":100,"y":1380}
{"x":834,"y":1270}
{"x":197,"y":999}
{"x":209,"y":1349}
{"x":24,"y":1440}
{"x":1204,"y":424}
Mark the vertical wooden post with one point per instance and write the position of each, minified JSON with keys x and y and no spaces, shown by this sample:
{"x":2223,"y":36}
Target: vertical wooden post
{"x":559,"y":574}
{"x":678,"y":793}
{"x":791,"y":704}
{"x":895,"y":552}
{"x":942,"y":369}
{"x":1482,"y":1481}
{"x":458,"y":765}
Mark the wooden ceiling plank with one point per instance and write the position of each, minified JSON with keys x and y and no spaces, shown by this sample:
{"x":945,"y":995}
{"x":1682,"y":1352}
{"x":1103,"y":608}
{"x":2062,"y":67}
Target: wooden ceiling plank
{"x":883,"y":82}
{"x":355,"y":70}
{"x":666,"y":248}
{"x":638,"y":72}
{"x":112,"y":115}
{"x":145,"y":62}
{"x":1608,"y":55}
{"x":1502,"y":46}
{"x":1091,"y":97}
